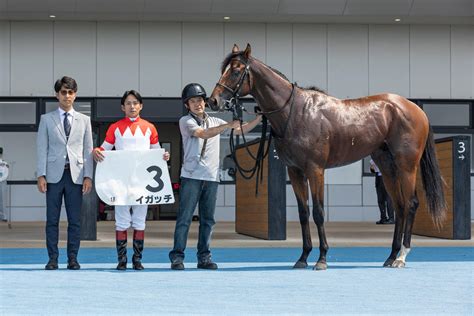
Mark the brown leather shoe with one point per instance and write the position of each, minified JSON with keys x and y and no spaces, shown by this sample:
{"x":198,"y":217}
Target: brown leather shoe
{"x":52,"y":264}
{"x":122,"y":265}
{"x":208,"y":265}
{"x":177,"y":266}
{"x":72,"y":264}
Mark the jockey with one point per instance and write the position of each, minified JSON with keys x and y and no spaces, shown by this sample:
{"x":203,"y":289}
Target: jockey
{"x":130,"y":133}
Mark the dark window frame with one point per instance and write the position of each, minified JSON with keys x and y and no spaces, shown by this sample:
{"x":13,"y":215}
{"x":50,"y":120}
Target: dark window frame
{"x":153,"y":119}
{"x":41,"y":101}
{"x":22,"y":127}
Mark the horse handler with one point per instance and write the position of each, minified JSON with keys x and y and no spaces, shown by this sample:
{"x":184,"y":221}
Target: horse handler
{"x":199,"y":174}
{"x":130,"y":133}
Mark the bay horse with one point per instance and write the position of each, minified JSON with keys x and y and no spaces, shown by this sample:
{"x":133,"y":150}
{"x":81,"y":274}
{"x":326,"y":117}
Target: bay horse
{"x":315,"y":131}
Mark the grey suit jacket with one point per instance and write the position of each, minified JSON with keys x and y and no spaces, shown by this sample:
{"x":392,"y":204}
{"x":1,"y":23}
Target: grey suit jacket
{"x":52,"y":147}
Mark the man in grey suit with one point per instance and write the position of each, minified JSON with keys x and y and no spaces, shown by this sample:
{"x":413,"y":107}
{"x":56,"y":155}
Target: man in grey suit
{"x":64,"y":150}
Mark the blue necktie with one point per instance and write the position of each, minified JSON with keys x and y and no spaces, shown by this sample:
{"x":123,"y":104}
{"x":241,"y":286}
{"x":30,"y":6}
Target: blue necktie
{"x":67,"y":130}
{"x":67,"y":125}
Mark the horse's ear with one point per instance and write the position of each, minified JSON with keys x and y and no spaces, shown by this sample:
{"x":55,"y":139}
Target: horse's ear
{"x":235,"y":49}
{"x":247,"y":51}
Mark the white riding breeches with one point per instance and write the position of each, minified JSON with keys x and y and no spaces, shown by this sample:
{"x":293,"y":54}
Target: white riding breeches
{"x":124,"y":218}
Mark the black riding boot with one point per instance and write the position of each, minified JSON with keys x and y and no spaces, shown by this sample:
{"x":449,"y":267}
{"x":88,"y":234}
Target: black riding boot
{"x":138,"y":239}
{"x":121,"y":243}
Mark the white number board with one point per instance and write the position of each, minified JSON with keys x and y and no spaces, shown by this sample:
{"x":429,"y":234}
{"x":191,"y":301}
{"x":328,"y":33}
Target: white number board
{"x":134,"y":177}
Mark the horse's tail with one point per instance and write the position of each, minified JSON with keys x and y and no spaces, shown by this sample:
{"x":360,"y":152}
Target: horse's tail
{"x":433,"y":182}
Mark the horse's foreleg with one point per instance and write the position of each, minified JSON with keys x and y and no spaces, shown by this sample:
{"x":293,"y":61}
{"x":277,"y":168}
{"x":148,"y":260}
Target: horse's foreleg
{"x":301,"y":192}
{"x":316,"y":182}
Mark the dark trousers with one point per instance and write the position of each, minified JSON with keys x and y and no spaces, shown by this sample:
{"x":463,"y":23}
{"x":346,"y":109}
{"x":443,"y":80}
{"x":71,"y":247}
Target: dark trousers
{"x":383,"y":199}
{"x":191,"y":193}
{"x":72,"y":194}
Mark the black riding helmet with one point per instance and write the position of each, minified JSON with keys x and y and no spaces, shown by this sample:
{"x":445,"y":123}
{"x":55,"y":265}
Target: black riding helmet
{"x":193,"y":90}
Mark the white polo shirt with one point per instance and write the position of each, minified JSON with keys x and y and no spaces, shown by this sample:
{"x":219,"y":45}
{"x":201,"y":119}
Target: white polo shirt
{"x":194,"y":166}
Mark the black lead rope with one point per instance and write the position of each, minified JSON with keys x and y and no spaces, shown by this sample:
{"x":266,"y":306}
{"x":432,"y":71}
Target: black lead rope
{"x":259,"y":158}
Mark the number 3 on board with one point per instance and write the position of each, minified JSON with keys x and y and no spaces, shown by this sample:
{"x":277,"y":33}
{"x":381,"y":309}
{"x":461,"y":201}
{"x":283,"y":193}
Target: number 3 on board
{"x":157,"y":178}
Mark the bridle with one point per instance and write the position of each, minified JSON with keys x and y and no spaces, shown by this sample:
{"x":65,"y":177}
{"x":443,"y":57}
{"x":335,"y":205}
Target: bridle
{"x":233,"y":104}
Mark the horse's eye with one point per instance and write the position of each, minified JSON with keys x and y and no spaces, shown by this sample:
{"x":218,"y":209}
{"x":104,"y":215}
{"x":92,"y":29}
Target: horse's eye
{"x":235,"y":72}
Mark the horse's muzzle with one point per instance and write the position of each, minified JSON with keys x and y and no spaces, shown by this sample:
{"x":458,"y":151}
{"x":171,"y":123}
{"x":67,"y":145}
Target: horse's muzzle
{"x":213,"y":104}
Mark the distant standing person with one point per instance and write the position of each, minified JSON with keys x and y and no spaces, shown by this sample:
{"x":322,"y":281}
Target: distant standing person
{"x":3,"y":186}
{"x":64,"y":169}
{"x":383,"y":199}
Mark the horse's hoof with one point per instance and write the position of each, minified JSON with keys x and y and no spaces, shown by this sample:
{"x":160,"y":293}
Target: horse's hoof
{"x":300,"y":265}
{"x":320,"y":266}
{"x":388,"y":263}
{"x":398,"y":264}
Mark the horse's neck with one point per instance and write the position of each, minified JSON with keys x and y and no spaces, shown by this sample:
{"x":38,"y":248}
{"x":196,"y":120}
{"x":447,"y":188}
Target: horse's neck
{"x":269,"y":89}
{"x":272,"y":94}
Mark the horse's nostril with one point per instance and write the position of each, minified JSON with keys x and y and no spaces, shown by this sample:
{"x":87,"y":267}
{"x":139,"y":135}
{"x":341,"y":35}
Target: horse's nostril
{"x":211,"y":102}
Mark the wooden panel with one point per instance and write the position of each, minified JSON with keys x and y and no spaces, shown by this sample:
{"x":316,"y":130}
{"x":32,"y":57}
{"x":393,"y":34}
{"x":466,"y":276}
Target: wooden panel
{"x":251,"y":211}
{"x":262,"y":215}
{"x":423,"y":223}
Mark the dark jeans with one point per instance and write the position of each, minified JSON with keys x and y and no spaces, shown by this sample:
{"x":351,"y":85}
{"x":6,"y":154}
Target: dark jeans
{"x":191,"y":192}
{"x":73,"y":199}
{"x":383,"y":199}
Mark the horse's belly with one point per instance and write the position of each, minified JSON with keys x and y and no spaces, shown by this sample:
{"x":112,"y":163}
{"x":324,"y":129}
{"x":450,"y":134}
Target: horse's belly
{"x":295,"y":155}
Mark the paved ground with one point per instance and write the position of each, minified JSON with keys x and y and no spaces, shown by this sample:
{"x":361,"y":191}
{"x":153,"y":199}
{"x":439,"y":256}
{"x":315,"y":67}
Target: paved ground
{"x":160,"y":234}
{"x":250,"y":281}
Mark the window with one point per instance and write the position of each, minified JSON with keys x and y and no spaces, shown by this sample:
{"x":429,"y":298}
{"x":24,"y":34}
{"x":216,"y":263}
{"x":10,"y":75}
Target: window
{"x":19,"y":150}
{"x":163,"y":109}
{"x":18,"y":115}
{"x":448,"y":114}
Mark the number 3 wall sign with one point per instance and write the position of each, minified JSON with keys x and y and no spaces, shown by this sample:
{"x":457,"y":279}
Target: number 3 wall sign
{"x":134,"y":177}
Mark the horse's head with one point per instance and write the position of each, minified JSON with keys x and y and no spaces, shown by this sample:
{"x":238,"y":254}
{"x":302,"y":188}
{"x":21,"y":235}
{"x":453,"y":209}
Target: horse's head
{"x":234,"y":81}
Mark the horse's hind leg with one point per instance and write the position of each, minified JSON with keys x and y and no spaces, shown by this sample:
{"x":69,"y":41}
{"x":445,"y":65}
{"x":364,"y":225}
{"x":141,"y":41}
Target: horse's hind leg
{"x":412,"y":206}
{"x":300,"y":188}
{"x":316,"y":183}
{"x":391,"y":175}
{"x":399,"y":180}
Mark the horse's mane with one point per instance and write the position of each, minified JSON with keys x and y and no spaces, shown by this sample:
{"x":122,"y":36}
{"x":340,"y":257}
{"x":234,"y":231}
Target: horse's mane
{"x":231,"y":56}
